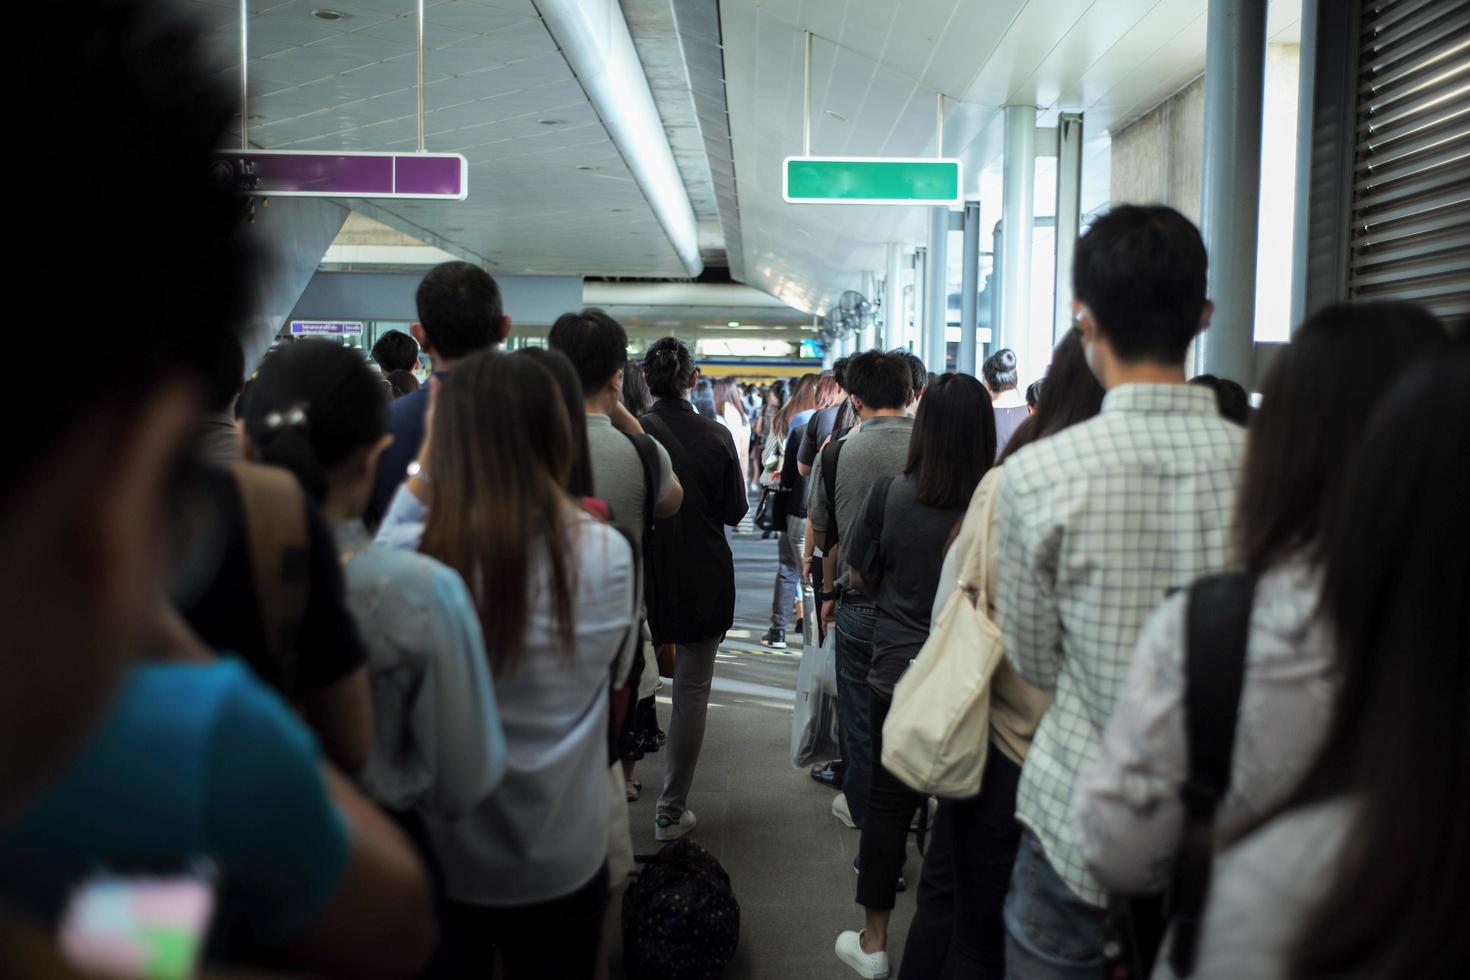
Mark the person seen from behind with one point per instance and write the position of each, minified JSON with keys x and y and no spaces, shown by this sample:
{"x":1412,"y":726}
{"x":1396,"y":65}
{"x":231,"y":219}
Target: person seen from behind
{"x":1098,"y":524}
{"x":526,"y":870}
{"x":895,"y":554}
{"x":112,"y":748}
{"x":690,"y":586}
{"x":959,"y":929}
{"x":1354,"y":874}
{"x":460,"y":313}
{"x":1011,"y":408}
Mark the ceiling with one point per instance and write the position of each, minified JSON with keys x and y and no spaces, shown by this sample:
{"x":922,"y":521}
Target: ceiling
{"x":549,"y":192}
{"x":877,"y":66}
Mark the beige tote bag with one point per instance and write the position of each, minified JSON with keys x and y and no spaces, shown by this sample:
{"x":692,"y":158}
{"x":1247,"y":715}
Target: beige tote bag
{"x":937,"y":732}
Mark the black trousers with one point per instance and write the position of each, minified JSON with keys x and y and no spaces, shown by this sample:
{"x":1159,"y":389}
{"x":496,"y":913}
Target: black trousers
{"x":891,"y":808}
{"x":552,"y":940}
{"x":959,"y":930}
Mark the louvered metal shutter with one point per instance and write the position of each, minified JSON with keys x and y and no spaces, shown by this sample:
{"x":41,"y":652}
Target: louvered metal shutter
{"x":1411,"y":161}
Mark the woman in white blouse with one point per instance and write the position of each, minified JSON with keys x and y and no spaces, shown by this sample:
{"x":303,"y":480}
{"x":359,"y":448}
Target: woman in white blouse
{"x":525,"y":871}
{"x":1317,"y":401}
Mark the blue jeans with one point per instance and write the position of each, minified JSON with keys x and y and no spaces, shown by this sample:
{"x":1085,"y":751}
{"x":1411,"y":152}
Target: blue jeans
{"x":788,"y":571}
{"x":855,"y":623}
{"x":1050,"y":932}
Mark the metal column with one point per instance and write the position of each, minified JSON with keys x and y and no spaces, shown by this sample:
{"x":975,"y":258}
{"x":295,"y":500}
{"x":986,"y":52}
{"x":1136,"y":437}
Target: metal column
{"x":893,"y":298}
{"x":936,"y":290}
{"x":969,"y":291}
{"x":1069,"y":218}
{"x":914,"y":333}
{"x":1302,"y":204}
{"x":868,"y":336}
{"x":1235,"y":78}
{"x":1018,"y":210}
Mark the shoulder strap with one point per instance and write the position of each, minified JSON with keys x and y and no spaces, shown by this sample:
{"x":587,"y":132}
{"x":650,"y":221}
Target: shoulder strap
{"x":275,"y":527}
{"x":871,"y":563}
{"x":1218,"y":625}
{"x":648,"y":456}
{"x":665,"y":434}
{"x":830,"y":452}
{"x":975,"y":571}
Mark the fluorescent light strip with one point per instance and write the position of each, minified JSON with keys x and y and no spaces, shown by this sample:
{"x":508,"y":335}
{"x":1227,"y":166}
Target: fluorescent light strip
{"x":594,"y":39}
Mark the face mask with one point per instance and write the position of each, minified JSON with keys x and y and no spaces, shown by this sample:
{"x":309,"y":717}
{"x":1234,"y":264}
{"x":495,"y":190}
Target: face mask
{"x":1090,"y":356}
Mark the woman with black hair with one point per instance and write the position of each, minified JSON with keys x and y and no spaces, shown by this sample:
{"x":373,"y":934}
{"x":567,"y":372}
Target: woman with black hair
{"x":1360,"y":872}
{"x":579,"y":480}
{"x":1011,"y":408}
{"x":1317,"y":402}
{"x":320,"y":411}
{"x":958,"y":930}
{"x":895,"y":550}
{"x":690,"y":584}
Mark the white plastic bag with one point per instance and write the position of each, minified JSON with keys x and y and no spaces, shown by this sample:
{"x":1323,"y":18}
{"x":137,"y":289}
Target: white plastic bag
{"x":814,"y":722}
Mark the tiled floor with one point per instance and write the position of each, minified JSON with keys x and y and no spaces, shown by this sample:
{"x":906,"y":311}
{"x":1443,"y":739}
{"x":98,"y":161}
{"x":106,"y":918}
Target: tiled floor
{"x":789,"y":859}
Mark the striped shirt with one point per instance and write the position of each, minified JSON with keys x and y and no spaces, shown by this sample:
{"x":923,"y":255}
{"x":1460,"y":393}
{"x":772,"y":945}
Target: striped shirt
{"x":1098,"y":524}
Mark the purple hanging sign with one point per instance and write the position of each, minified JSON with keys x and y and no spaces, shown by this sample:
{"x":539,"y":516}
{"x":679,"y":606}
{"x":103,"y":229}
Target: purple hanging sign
{"x":296,"y":173}
{"x":325,"y":328}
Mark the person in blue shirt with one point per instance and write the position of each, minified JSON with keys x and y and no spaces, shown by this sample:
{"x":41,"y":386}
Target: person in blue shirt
{"x":460,"y":313}
{"x":106,"y":763}
{"x":437,"y":743}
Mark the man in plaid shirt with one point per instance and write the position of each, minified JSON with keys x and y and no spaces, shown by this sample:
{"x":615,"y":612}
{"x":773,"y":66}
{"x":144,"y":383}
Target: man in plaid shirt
{"x":1098,"y":524}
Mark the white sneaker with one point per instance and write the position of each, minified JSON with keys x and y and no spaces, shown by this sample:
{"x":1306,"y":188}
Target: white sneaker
{"x":873,"y":966}
{"x":841,"y":811}
{"x":666,"y":828}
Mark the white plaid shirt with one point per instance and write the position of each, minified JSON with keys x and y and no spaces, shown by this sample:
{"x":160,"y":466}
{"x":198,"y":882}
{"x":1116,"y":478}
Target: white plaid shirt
{"x":1098,"y":524}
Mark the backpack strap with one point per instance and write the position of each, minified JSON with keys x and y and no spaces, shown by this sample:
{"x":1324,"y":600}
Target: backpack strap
{"x":830,"y":452}
{"x":275,"y":528}
{"x":1218,"y":625}
{"x":648,"y":456}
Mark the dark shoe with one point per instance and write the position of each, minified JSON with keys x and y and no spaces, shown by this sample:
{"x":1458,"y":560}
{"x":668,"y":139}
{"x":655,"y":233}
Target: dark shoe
{"x":775,"y":638}
{"x":829,"y":774}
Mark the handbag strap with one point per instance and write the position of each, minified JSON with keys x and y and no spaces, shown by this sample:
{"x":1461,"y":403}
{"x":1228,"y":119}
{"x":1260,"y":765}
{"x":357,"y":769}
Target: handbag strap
{"x":975,"y":573}
{"x":1218,"y":627}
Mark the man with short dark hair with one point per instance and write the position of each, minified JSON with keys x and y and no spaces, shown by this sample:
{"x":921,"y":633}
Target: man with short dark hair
{"x":459,"y":314}
{"x":881,"y":387}
{"x":1098,"y":524}
{"x":597,"y":346}
{"x":919,"y":373}
{"x":396,"y":351}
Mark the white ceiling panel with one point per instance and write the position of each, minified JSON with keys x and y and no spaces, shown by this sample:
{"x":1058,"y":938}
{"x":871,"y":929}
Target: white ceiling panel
{"x":878,"y":65}
{"x":497,"y":91}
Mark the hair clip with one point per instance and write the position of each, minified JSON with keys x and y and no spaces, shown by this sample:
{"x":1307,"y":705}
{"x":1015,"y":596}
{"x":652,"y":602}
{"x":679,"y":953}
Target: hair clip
{"x":292,"y":417}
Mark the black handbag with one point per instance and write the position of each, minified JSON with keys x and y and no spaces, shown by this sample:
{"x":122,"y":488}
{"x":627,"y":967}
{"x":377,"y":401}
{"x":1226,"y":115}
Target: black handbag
{"x":1217,"y":628}
{"x":770,"y":511}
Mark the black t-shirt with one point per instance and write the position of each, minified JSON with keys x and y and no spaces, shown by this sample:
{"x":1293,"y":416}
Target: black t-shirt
{"x":791,"y":478}
{"x":911,"y":537}
{"x":818,"y":428}
{"x":226,"y":614}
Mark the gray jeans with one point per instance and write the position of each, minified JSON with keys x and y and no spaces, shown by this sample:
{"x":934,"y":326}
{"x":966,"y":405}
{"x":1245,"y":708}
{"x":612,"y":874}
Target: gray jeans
{"x":694,"y":669}
{"x":788,"y":571}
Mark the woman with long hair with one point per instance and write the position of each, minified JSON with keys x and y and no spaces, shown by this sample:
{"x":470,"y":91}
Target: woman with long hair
{"x":958,"y":930}
{"x":730,"y":412}
{"x":1328,"y":383}
{"x":895,"y":550}
{"x":1360,"y":871}
{"x":690,"y":586}
{"x":526,"y":870}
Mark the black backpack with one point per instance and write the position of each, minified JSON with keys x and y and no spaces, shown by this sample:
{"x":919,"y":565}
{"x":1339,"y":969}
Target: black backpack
{"x":680,"y":917}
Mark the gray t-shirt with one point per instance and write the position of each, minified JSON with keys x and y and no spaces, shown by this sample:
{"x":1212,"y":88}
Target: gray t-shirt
{"x":617,"y":474}
{"x":879,"y":448}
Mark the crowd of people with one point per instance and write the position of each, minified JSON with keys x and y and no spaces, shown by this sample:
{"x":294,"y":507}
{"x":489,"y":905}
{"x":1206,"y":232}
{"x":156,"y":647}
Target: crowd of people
{"x":360,"y":685}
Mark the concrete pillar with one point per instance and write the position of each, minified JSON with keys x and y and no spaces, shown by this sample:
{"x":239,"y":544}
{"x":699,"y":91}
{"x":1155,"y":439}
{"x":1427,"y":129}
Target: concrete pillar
{"x":1301,"y":206}
{"x":298,"y":231}
{"x":969,"y":291}
{"x":1235,"y":76}
{"x":1069,"y":217}
{"x":915,"y":334}
{"x":936,"y":290}
{"x":893,"y":298}
{"x":868,"y":336}
{"x":1018,"y":211}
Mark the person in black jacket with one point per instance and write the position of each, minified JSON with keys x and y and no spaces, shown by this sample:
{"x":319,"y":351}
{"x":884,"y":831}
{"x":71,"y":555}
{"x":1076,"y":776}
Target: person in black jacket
{"x":690,"y":581}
